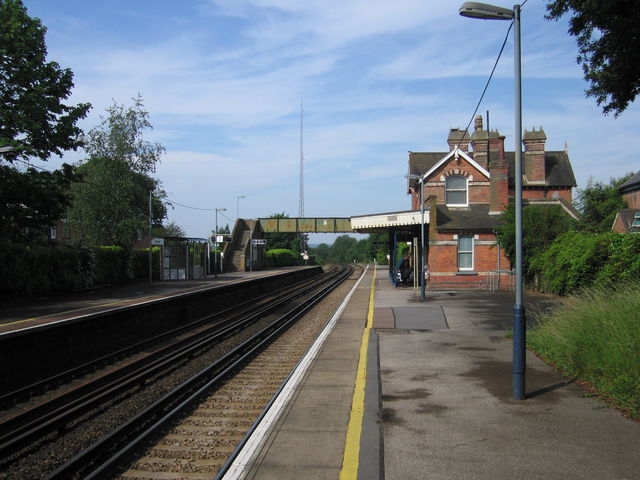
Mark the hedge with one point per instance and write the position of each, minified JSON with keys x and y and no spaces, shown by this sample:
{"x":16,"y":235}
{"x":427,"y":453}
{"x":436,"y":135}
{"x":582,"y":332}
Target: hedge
{"x":28,"y":270}
{"x":44,"y":269}
{"x":281,"y":257}
{"x":577,"y":260}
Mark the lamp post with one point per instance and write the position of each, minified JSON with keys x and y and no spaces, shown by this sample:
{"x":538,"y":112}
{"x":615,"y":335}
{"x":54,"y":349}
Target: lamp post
{"x":420,"y":178}
{"x":215,"y":244}
{"x":491,"y":12}
{"x":238,"y":205}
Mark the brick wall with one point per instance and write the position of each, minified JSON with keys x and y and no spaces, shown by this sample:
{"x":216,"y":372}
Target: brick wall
{"x":443,"y":261}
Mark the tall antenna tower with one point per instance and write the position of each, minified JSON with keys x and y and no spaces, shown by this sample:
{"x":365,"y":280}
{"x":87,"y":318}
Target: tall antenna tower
{"x":301,"y":194}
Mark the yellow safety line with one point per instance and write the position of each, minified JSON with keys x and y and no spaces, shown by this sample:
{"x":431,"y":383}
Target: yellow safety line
{"x":349,"y":469}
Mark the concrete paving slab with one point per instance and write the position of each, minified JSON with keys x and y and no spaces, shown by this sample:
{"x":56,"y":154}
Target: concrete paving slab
{"x":448,"y":414}
{"x":383,"y":318}
{"x":424,"y":317}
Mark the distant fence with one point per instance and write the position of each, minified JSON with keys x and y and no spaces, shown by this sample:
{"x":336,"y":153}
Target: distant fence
{"x":501,"y":280}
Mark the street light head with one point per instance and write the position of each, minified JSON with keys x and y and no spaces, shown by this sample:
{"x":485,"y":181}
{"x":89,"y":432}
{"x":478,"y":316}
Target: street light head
{"x":485,"y":11}
{"x":7,"y":149}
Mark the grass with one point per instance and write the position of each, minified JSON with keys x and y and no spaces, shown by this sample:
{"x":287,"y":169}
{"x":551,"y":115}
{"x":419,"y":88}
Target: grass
{"x":595,"y":337}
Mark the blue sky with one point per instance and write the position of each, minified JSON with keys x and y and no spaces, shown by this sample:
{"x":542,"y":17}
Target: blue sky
{"x":223,"y":81}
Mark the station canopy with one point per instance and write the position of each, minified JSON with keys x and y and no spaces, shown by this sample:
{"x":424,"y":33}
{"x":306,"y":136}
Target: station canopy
{"x":387,"y":221}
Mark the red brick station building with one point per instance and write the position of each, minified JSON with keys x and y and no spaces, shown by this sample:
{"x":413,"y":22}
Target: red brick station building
{"x":465,"y":192}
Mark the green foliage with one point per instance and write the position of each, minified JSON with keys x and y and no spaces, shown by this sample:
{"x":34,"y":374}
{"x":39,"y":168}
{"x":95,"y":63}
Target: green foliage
{"x":32,"y":269}
{"x":599,"y":203}
{"x":171,"y":229}
{"x":35,"y":121}
{"x":33,"y":117}
{"x":595,"y":336}
{"x":111,"y":264}
{"x":570,"y":263}
{"x":608,"y":45}
{"x":281,"y":257}
{"x":578,"y":260}
{"x":120,"y":137}
{"x":32,"y":201}
{"x":623,"y":259}
{"x":347,"y":249}
{"x":540,"y":226}
{"x":139,"y":261}
{"x":111,"y":204}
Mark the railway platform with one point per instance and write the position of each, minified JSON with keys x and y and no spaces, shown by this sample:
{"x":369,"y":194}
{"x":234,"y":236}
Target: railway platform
{"x":409,"y":389}
{"x":24,"y":313}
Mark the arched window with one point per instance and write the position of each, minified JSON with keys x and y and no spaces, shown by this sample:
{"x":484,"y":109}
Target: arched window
{"x":456,"y":190}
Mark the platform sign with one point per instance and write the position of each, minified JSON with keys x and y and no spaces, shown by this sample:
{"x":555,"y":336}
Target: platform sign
{"x":259,"y":241}
{"x":157,"y":241}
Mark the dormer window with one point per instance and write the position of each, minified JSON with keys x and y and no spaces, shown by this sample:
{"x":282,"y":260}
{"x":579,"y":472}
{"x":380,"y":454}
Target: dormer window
{"x":456,"y":191}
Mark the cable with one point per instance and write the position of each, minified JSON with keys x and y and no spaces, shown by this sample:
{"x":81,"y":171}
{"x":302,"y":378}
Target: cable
{"x":188,"y":206}
{"x":466,"y":130}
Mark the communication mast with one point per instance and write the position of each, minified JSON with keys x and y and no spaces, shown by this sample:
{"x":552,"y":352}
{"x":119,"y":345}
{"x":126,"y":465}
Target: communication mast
{"x":301,"y":194}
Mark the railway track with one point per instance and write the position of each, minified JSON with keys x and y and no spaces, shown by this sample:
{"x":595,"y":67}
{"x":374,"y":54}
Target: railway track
{"x":44,"y":428}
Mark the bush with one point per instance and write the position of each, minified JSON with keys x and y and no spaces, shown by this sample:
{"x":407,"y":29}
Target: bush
{"x":140,"y":263}
{"x":111,"y":264}
{"x":281,"y":257}
{"x":595,"y":336}
{"x":27,"y":270}
{"x":44,"y":269}
{"x":579,"y":260}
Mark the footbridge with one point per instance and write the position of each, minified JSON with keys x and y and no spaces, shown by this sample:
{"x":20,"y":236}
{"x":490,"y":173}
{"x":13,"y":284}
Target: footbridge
{"x":237,"y":253}
{"x":374,"y":223}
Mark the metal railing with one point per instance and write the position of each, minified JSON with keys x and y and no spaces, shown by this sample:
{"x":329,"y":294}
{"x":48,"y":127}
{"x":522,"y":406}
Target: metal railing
{"x":501,"y":280}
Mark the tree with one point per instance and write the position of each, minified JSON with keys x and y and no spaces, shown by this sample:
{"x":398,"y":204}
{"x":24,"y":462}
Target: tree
{"x":111,"y":205}
{"x":171,"y":229}
{"x":120,"y":137}
{"x":32,"y":201}
{"x":608,"y":37}
{"x":599,"y":204}
{"x":541,"y":225}
{"x":36,"y":122}
{"x":33,"y":117}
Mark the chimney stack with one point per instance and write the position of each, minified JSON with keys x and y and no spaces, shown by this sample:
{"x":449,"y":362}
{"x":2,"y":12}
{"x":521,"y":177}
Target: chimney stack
{"x":458,"y":137}
{"x":534,"y":168}
{"x":499,"y":184}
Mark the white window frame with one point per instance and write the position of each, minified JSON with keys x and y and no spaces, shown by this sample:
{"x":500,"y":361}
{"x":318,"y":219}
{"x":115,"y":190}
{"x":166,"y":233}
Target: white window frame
{"x":447,"y":189}
{"x":472,"y":252}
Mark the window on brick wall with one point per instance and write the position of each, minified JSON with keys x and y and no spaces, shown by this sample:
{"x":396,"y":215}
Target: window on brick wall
{"x":456,"y":190}
{"x":465,"y":252}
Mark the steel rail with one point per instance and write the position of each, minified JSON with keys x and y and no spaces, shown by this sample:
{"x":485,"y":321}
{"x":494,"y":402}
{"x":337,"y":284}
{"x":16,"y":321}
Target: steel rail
{"x":13,"y":397}
{"x":23,"y":429}
{"x":150,"y":421}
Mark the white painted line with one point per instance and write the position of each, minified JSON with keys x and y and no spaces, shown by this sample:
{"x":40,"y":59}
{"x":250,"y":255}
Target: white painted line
{"x":244,"y":461}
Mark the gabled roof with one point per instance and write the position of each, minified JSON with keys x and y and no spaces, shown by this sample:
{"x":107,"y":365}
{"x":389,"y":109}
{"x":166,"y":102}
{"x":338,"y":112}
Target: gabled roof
{"x":628,"y":219}
{"x":425,"y":163}
{"x":557,"y":166}
{"x":631,"y":185}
